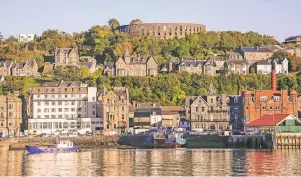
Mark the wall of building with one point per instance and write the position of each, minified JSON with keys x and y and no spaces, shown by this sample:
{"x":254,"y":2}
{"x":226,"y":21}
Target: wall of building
{"x":162,"y":30}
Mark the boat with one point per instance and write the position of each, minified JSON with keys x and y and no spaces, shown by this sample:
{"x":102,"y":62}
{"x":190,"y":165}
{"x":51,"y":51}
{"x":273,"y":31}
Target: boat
{"x":172,"y":140}
{"x":60,"y":146}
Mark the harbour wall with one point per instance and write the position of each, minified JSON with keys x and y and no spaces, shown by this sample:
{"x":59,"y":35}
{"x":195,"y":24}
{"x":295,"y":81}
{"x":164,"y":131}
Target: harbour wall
{"x":83,"y":142}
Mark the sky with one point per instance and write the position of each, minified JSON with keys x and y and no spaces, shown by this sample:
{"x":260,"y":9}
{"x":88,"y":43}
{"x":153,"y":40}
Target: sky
{"x":278,"y":18}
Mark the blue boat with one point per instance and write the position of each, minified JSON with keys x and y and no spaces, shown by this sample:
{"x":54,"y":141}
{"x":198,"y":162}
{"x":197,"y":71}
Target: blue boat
{"x":60,"y":146}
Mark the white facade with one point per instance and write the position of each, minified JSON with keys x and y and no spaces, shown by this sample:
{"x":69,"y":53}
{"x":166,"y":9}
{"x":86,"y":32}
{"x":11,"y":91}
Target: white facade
{"x":156,"y":120}
{"x":264,"y":69}
{"x":64,"y":111}
{"x":281,"y":67}
{"x":25,"y":37}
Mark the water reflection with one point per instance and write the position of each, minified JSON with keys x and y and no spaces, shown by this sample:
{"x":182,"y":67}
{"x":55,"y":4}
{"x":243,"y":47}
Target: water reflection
{"x":163,"y":162}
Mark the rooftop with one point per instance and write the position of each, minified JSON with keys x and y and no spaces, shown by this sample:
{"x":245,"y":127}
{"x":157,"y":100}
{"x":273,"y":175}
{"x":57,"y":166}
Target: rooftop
{"x":268,"y":120}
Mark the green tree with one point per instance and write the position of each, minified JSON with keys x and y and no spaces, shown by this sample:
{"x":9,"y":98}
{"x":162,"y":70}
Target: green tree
{"x":113,"y":23}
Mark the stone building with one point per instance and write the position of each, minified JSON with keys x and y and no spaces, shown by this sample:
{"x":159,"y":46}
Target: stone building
{"x":161,"y":30}
{"x":68,"y":57}
{"x":128,"y":65}
{"x":209,"y":112}
{"x":10,"y":115}
{"x":5,"y":67}
{"x":63,"y":106}
{"x":237,"y":66}
{"x":194,"y":66}
{"x":268,"y":102}
{"x":28,"y":68}
{"x":114,"y":108}
{"x":253,"y":54}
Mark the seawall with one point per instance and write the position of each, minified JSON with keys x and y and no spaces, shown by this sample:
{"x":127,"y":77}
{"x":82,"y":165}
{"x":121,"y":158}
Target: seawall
{"x":83,"y":142}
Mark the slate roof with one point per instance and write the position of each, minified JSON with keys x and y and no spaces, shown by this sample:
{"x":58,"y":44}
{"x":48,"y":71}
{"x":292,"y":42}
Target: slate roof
{"x":19,"y":65}
{"x":277,"y":60}
{"x":50,"y":58}
{"x":256,"y":49}
{"x":62,"y":84}
{"x":66,"y":51}
{"x":267,"y":120}
{"x":263,"y":62}
{"x":291,"y":38}
{"x":237,"y":61}
{"x":109,"y":64}
{"x":6,"y":63}
{"x":191,"y":61}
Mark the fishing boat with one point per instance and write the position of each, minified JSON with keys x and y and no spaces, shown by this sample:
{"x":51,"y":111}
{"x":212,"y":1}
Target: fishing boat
{"x":172,"y":140}
{"x":60,"y":146}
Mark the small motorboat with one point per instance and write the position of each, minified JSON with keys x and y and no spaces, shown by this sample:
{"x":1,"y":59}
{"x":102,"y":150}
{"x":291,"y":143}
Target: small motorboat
{"x":60,"y":146}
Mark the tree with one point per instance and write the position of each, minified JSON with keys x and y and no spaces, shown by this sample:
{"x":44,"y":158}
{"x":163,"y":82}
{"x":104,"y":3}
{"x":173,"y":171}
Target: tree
{"x":136,"y":22}
{"x":113,"y":24}
{"x":1,"y":38}
{"x":68,"y":73}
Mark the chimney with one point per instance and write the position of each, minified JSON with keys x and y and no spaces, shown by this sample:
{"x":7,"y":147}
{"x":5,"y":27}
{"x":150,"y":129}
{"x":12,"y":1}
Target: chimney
{"x":274,"y":80}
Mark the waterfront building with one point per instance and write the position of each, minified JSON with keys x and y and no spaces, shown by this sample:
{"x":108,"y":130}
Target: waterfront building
{"x":114,"y":108}
{"x":65,"y":105}
{"x":275,"y":123}
{"x":268,"y":102}
{"x":10,"y":115}
{"x":161,"y":30}
{"x":128,"y":65}
{"x":25,"y":37}
{"x":209,"y":112}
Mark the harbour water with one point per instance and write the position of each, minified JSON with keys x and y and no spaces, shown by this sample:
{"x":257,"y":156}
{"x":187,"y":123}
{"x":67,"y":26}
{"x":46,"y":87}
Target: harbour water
{"x":153,"y":162}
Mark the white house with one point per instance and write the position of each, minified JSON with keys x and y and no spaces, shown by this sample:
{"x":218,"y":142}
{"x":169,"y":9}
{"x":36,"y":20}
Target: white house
{"x":280,"y":65}
{"x":58,"y":106}
{"x":262,"y":67}
{"x":25,"y":37}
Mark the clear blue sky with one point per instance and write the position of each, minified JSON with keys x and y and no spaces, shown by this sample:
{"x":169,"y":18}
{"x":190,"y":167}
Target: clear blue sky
{"x":279,"y":18}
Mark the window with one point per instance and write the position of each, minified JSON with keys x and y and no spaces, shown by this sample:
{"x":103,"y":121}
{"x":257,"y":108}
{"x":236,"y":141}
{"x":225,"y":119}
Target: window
{"x":53,"y":103}
{"x":39,"y":103}
{"x":45,"y":96}
{"x":276,"y":98}
{"x":196,"y":109}
{"x":66,"y":109}
{"x":66,"y":96}
{"x":93,"y":106}
{"x":44,"y":125}
{"x":203,"y":109}
{"x":93,"y":112}
{"x":53,"y":116}
{"x":211,"y":108}
{"x":122,"y":108}
{"x":59,"y":102}
{"x":46,"y":103}
{"x":235,"y":100}
{"x":39,"y":110}
{"x":122,"y":116}
{"x":271,"y":107}
{"x":49,"y":125}
{"x":122,"y":101}
{"x":46,"y":110}
{"x":52,"y":109}
{"x":72,"y":102}
{"x":263,"y":98}
{"x":66,"y":102}
{"x":46,"y":116}
{"x":10,"y":106}
{"x":52,"y":96}
{"x":39,"y":117}
{"x":264,"y":107}
{"x":211,"y":100}
{"x":108,"y":126}
{"x":72,"y":109}
{"x":38,"y":96}
{"x":93,"y":98}
{"x":60,"y":109}
{"x":60,"y":116}
{"x":79,"y":115}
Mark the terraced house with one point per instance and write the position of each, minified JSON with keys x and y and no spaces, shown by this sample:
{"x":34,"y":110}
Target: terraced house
{"x":28,"y":68}
{"x":114,"y":108}
{"x":10,"y":115}
{"x":128,"y":65}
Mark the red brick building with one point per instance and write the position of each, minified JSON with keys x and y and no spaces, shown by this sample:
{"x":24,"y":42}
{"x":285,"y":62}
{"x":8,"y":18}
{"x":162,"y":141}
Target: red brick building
{"x":268,"y":102}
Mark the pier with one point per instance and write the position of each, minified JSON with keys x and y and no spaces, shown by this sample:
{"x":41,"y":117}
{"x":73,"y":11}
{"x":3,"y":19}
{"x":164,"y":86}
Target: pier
{"x":287,"y":141}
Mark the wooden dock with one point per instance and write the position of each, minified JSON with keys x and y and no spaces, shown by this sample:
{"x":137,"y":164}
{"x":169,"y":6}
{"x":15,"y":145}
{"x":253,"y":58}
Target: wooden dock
{"x":287,"y":140}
